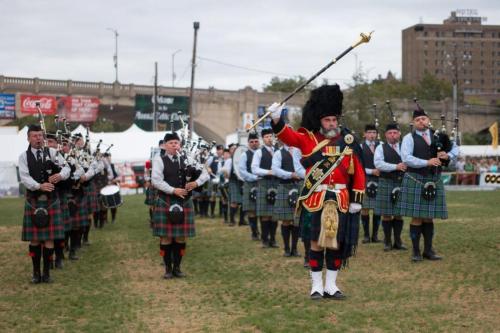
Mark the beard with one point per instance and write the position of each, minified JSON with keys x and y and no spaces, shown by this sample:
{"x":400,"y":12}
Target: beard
{"x":329,"y":133}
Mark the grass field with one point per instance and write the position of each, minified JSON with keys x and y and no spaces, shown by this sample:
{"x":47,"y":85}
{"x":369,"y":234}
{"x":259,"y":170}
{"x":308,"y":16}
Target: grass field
{"x":235,"y":286}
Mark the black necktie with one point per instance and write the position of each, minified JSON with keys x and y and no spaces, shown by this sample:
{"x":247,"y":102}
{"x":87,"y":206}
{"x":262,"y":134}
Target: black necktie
{"x":39,"y":155}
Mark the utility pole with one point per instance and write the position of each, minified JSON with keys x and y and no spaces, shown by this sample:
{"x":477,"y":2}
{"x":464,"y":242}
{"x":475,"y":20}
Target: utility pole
{"x":115,"y":57}
{"x":455,"y":82}
{"x":173,"y":67}
{"x":196,"y":26}
{"x":155,"y":100}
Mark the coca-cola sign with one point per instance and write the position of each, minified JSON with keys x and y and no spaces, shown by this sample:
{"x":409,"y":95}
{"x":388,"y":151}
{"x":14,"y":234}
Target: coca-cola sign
{"x":47,"y":104}
{"x":81,"y":109}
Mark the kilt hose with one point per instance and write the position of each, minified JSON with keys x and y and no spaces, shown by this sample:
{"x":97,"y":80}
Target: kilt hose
{"x":305,"y":224}
{"x":369,"y":203}
{"x":150,"y":195}
{"x":81,"y":218}
{"x":248,"y":205}
{"x":235,"y":189}
{"x":55,"y":229}
{"x":282,"y":210}
{"x":263,"y":207}
{"x":412,"y":204}
{"x":383,"y":203}
{"x":63,"y":198}
{"x":162,"y":227}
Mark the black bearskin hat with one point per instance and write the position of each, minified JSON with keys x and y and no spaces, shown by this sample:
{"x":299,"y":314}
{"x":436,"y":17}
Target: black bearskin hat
{"x":323,"y":102}
{"x":171,"y":136}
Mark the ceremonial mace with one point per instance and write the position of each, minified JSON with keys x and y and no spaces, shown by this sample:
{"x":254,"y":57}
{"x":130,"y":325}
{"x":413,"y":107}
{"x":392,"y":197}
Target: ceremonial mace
{"x":365,"y":38}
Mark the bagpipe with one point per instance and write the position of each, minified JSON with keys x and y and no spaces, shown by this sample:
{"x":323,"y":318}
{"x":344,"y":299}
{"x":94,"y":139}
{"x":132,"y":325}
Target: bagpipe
{"x":49,"y":168}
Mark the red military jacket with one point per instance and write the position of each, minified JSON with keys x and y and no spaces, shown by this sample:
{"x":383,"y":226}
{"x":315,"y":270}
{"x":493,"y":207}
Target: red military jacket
{"x":349,"y":172}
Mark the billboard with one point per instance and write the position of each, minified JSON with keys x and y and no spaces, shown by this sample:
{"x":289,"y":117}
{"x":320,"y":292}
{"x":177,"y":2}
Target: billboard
{"x":47,"y":104}
{"x":168,"y":110}
{"x":7,"y":106}
{"x":81,"y":109}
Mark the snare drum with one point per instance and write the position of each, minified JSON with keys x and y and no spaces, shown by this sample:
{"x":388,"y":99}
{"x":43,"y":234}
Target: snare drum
{"x":110,"y":196}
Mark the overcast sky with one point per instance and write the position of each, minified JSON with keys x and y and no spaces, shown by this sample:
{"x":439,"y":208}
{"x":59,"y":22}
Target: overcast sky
{"x":58,"y":39}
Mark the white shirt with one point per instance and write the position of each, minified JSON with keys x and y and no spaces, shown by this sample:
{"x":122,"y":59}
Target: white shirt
{"x":256,"y":169}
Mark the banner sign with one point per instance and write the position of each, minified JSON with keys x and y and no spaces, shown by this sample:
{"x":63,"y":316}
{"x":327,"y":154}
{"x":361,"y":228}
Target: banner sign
{"x":7,"y":106}
{"x":79,"y":109}
{"x":168,"y":111}
{"x":489,"y":179}
{"x":47,"y":104}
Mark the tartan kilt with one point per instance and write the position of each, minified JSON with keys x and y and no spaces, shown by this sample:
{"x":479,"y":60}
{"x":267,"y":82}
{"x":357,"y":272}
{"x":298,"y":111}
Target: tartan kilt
{"x":282,"y":210}
{"x":305,"y":224}
{"x":248,"y":205}
{"x":235,"y":195}
{"x":162,"y":227}
{"x":91,"y":194}
{"x":63,"y":197}
{"x":214,"y":190}
{"x":81,"y":218}
{"x":263,"y":208}
{"x":370,"y":203}
{"x":55,"y":229}
{"x":383,"y":204}
{"x":150,"y":195}
{"x":412,"y":204}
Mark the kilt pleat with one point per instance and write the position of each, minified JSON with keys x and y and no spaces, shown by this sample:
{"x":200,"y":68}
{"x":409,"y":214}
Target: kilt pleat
{"x":55,"y":229}
{"x":63,"y":198}
{"x":150,"y":195}
{"x":282,"y":210}
{"x":235,"y":195}
{"x":162,"y":227}
{"x":263,"y":208}
{"x":248,"y":205}
{"x":81,"y":218}
{"x":383,"y":204}
{"x":412,"y":204}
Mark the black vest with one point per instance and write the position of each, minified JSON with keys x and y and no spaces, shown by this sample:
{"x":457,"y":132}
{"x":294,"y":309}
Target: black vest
{"x":215,"y":165}
{"x":36,"y":168}
{"x":287,"y":165}
{"x":368,"y":155}
{"x":174,"y":173}
{"x":266,"y":161}
{"x":232,"y":175}
{"x":391,"y":156}
{"x":249,"y":160}
{"x":423,"y":151}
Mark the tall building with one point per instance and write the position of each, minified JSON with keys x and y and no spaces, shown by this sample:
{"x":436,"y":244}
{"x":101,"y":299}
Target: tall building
{"x":462,"y":49}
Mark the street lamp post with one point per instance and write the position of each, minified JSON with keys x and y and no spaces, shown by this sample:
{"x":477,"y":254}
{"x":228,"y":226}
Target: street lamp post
{"x":196,"y":26}
{"x":173,"y":68}
{"x":115,"y":57}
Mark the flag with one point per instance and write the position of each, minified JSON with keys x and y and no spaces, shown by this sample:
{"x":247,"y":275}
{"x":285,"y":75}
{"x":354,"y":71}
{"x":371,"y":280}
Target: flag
{"x":494,"y":135}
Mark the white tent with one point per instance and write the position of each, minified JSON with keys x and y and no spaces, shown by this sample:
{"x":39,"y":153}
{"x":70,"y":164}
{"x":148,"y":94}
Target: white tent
{"x":479,"y":151}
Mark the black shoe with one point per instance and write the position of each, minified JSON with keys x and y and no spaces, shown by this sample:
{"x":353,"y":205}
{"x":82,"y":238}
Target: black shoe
{"x":59,"y":264}
{"x":400,"y":247}
{"x":46,"y":279}
{"x":232,"y":224}
{"x":365,"y":240}
{"x":265,"y":245}
{"x":295,"y":253}
{"x":273,"y":245}
{"x":242,"y":223}
{"x":36,"y":279}
{"x":316,"y":296}
{"x":168,"y":273}
{"x":387,"y":247}
{"x":375,"y":240}
{"x":287,"y":254}
{"x":431,"y":255}
{"x":255,"y":238}
{"x":416,"y":257}
{"x":72,"y":255}
{"x":337,"y":296}
{"x":177,"y":272}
